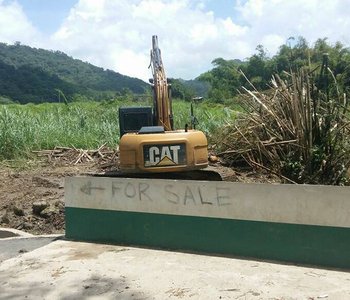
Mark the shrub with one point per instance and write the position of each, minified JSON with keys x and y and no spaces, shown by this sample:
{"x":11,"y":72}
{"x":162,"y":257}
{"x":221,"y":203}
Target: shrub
{"x":298,"y":129}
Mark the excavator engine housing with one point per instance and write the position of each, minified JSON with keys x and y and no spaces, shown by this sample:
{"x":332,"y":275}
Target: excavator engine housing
{"x":157,"y":151}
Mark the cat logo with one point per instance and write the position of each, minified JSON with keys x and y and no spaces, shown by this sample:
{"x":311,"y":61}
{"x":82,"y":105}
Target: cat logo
{"x":164,"y":155}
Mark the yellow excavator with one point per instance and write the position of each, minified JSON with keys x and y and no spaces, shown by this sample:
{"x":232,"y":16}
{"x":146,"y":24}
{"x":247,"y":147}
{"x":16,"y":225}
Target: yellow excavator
{"x":149,"y":144}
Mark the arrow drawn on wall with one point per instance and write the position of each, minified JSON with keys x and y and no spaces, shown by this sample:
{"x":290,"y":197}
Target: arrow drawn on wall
{"x":87,"y":188}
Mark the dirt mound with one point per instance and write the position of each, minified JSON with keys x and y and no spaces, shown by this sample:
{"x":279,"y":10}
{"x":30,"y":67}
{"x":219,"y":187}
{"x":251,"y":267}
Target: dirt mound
{"x":19,"y":191}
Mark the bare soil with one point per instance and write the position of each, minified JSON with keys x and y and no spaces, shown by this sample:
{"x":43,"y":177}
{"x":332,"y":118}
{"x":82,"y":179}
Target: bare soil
{"x":32,"y":199}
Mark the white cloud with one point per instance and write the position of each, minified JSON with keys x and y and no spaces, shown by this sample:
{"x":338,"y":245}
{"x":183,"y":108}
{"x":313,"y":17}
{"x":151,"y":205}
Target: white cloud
{"x":15,"y":26}
{"x":116,"y":34}
{"x":273,"y":22}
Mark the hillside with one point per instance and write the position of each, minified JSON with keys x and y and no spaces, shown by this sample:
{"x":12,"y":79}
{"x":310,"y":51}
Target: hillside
{"x":35,"y":75}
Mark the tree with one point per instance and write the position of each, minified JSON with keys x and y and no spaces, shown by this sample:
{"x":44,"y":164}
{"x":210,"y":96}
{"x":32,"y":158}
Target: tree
{"x":180,"y":90}
{"x":257,"y":69}
{"x":223,"y":78}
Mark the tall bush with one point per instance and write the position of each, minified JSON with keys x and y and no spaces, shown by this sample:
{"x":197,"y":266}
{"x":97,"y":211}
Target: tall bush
{"x":299,"y":128}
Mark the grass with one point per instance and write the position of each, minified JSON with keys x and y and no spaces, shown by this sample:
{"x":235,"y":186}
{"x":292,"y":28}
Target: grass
{"x":86,"y":125}
{"x":35,"y":127}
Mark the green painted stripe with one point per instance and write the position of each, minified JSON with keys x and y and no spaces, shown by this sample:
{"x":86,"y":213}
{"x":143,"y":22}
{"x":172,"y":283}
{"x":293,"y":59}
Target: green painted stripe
{"x":316,"y":245}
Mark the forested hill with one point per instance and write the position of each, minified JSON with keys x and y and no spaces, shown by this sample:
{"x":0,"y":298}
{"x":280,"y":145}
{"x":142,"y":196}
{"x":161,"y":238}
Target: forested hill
{"x":37,"y":75}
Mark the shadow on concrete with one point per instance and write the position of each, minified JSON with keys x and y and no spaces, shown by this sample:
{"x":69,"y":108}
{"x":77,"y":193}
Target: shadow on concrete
{"x":13,"y":247}
{"x":6,"y":234}
{"x":108,"y":288}
{"x":93,"y":286}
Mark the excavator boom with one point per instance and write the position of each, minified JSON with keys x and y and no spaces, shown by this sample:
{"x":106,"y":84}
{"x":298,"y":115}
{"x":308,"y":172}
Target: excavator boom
{"x":161,"y":89}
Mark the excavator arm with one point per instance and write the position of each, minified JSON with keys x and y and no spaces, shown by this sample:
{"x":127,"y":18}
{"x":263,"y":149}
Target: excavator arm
{"x":161,"y":89}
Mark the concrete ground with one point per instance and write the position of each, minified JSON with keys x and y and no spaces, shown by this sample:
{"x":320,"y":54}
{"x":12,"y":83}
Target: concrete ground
{"x":74,"y":270}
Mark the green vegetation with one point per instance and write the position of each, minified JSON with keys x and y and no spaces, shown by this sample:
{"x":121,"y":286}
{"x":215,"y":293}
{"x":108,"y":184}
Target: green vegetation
{"x":228,"y":76}
{"x":86,"y":125}
{"x":35,"y":127}
{"x":188,"y":89}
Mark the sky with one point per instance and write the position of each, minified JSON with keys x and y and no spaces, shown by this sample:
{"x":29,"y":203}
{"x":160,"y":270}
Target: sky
{"x":117,"y":34}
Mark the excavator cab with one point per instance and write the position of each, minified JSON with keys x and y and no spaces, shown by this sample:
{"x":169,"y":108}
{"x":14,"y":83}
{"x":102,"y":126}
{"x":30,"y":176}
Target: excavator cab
{"x":132,"y":119}
{"x":149,"y":143}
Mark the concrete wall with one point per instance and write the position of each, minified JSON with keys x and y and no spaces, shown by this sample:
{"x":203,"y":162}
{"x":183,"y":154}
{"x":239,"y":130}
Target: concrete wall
{"x":299,"y":223}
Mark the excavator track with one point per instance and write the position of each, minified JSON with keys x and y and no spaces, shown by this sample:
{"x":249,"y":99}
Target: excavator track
{"x":199,"y":175}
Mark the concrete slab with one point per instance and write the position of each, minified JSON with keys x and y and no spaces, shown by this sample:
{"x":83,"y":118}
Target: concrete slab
{"x":76,"y":270}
